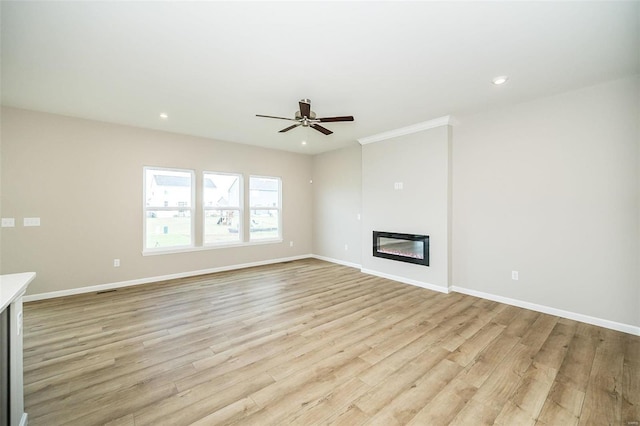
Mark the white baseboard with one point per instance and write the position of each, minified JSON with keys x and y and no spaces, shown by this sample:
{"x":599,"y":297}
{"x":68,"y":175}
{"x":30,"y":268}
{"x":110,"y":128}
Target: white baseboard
{"x":613,"y":325}
{"x":625,"y":328}
{"x":339,"y":262}
{"x":120,"y":284}
{"x":406,"y":280}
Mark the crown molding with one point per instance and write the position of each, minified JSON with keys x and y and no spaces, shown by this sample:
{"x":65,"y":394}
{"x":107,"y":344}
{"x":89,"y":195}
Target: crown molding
{"x":447,"y":120}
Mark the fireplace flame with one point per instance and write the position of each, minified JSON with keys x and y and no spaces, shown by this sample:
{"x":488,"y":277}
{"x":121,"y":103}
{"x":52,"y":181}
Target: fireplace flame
{"x":400,"y":253}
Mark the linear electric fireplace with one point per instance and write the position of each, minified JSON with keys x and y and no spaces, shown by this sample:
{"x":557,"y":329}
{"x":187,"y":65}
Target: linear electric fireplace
{"x":402,"y":247}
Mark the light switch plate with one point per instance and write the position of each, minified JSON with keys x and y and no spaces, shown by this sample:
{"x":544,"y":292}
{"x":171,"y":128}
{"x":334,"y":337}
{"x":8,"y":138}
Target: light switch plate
{"x":31,"y":221}
{"x":8,"y":222}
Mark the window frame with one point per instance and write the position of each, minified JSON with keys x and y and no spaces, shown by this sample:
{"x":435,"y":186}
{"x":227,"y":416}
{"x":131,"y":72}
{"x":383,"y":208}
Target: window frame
{"x":278,"y":208}
{"x":146,"y":209}
{"x":240,"y":208}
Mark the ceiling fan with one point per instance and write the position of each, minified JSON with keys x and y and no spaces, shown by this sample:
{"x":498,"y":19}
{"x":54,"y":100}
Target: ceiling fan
{"x":307,"y":118}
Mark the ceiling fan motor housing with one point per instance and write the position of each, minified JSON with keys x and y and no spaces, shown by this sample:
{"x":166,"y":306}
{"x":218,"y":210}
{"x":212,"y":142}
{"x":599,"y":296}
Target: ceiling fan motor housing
{"x":312,"y":115}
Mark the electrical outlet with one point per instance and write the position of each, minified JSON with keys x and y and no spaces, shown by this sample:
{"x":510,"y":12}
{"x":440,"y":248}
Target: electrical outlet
{"x":116,"y":263}
{"x":8,"y":222}
{"x":514,"y":275}
{"x":290,"y":243}
{"x":346,"y":247}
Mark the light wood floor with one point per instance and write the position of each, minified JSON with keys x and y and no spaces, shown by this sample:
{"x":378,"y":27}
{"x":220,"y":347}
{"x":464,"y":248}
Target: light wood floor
{"x":309,"y":342}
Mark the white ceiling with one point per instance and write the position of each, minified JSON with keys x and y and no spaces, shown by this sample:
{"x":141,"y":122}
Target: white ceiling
{"x":213,"y":65}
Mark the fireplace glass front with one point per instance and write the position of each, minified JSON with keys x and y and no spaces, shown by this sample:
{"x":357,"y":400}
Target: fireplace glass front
{"x":409,"y":248}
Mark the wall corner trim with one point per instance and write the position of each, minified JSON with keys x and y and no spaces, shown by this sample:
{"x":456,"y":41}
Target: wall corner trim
{"x":446,"y":120}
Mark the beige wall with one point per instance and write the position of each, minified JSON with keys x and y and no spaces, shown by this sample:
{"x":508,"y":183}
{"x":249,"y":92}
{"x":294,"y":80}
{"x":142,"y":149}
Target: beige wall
{"x":550,"y":188}
{"x":84,"y":180}
{"x":421,"y":162}
{"x":337,"y":189}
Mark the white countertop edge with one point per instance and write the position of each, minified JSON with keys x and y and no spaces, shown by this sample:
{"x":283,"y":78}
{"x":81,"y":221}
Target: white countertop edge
{"x":13,"y":286}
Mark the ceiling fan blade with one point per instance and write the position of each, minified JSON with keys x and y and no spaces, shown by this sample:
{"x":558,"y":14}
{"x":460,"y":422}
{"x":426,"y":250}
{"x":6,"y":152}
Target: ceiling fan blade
{"x":305,"y":108}
{"x":289,"y":128}
{"x":321,"y":129}
{"x":279,"y":118}
{"x":334,"y":119}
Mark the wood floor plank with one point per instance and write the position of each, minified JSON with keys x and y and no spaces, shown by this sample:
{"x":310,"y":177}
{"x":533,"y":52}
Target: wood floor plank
{"x":631,"y":382}
{"x":406,"y":405}
{"x":384,"y":367}
{"x":351,"y":416}
{"x":469,"y":350}
{"x":489,"y":359}
{"x":503,"y":381}
{"x":122,"y":421}
{"x":527,"y":401}
{"x":201,"y":401}
{"x":603,"y":399}
{"x":524,"y":406}
{"x":308,"y":342}
{"x":401,"y":380}
{"x":474,"y":413}
{"x":294,"y":393}
{"x":229,"y":414}
{"x":332,"y":400}
{"x":563,"y":406}
{"x":447,"y":403}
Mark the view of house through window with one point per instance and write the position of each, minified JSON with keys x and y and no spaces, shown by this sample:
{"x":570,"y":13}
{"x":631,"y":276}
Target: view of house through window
{"x":264,"y":200}
{"x":222,"y":203}
{"x":169,"y":209}
{"x":168,"y":195}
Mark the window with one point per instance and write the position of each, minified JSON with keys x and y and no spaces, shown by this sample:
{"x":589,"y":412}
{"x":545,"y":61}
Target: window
{"x":265,"y":205}
{"x":172,"y":223}
{"x":168,"y":208}
{"x":222,"y":203}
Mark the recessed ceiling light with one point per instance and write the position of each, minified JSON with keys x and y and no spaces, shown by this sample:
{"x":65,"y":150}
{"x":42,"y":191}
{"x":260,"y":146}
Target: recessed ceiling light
{"x":164,"y":115}
{"x":500,"y":80}
{"x":304,"y":142}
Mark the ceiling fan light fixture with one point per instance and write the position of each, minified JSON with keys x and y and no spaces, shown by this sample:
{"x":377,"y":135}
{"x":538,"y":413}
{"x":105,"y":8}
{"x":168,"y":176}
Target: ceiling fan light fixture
{"x":307,"y":118}
{"x":502,"y":79}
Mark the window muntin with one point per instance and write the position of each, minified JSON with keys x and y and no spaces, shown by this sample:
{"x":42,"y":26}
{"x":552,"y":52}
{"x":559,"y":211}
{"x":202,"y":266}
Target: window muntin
{"x":222,"y":205}
{"x":169,"y":196}
{"x":265,"y":199}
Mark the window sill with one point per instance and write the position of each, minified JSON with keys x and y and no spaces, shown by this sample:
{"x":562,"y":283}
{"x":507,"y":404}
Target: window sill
{"x":209,"y":247}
